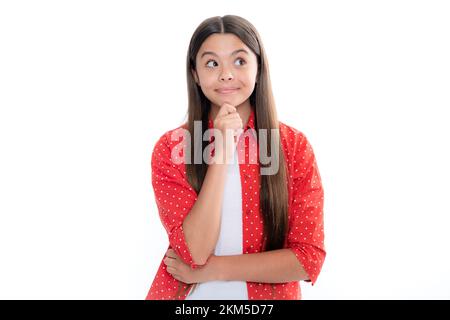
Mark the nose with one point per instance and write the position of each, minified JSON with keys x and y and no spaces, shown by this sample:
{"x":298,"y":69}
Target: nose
{"x":226,"y":75}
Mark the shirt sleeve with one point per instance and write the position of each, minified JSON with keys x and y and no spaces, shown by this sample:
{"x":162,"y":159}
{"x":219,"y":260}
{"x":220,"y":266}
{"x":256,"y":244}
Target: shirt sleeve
{"x":306,"y":227}
{"x":174,"y":198}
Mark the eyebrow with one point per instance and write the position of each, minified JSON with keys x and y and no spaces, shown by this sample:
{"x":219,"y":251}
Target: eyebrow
{"x":233,"y":53}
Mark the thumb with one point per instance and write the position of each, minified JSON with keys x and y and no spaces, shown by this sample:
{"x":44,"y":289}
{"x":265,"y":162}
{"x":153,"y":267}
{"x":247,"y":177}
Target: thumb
{"x":226,"y":108}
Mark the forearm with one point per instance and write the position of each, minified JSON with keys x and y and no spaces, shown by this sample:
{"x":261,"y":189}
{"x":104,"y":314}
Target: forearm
{"x":202,"y":225}
{"x":276,"y":266}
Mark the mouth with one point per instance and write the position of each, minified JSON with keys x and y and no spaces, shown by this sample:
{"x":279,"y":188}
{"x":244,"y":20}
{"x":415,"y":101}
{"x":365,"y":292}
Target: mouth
{"x":227,"y":91}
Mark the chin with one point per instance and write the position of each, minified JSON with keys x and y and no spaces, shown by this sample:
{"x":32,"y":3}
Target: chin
{"x":235,"y":101}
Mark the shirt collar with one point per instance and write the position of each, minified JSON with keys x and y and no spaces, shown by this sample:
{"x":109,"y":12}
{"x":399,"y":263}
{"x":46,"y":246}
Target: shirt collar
{"x":250,"y":122}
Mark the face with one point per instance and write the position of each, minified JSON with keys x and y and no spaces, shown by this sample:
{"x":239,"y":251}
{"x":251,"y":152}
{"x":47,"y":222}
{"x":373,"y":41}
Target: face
{"x":225,"y":62}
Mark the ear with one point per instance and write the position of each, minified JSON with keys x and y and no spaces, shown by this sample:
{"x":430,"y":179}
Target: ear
{"x":194,"y":74}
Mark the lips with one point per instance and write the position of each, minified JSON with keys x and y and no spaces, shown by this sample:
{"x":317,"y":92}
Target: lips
{"x":227,"y":90}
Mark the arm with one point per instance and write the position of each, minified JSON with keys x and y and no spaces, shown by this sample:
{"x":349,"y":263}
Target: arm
{"x":305,"y":252}
{"x":276,"y":266}
{"x":306,"y":227}
{"x":174,"y":197}
{"x":202,"y":224}
{"x":192,"y":220}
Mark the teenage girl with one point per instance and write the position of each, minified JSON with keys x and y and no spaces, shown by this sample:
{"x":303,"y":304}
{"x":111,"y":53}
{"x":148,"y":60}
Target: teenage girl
{"x":244,"y":209}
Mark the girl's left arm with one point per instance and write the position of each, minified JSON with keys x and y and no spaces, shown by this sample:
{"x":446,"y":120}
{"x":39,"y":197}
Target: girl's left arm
{"x":305,"y":253}
{"x":276,"y":266}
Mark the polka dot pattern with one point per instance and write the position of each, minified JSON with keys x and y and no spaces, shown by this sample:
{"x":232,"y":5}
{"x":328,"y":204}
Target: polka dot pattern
{"x":175,"y":197}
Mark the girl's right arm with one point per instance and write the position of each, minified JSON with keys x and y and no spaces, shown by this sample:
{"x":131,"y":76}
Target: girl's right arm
{"x":202,"y":225}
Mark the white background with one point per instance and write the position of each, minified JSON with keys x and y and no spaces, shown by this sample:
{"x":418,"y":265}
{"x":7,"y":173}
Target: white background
{"x":87,"y":87}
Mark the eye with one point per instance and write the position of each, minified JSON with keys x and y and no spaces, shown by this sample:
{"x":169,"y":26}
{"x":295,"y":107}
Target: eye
{"x":208,"y":65}
{"x":209,"y":62}
{"x":241,"y":60}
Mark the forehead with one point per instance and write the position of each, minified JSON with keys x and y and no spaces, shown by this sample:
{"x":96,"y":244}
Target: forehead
{"x":222,"y":44}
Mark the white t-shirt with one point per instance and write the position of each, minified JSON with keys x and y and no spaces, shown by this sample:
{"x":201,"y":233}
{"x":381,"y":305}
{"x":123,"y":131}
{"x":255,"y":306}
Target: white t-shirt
{"x":229,"y":242}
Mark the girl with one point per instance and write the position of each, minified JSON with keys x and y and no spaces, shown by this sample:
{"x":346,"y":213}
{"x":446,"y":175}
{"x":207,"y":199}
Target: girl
{"x":237,"y":228}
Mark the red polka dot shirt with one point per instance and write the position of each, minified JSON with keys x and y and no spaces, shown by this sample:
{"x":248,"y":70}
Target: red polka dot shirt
{"x":175,"y":197}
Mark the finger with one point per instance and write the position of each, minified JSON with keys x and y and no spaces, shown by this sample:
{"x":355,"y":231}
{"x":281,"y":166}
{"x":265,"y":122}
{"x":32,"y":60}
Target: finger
{"x":171,"y":253}
{"x":177,"y":277}
{"x":171,"y":270}
{"x":229,"y":107}
{"x":231,"y":116}
{"x":169,"y":261}
{"x":226,"y":108}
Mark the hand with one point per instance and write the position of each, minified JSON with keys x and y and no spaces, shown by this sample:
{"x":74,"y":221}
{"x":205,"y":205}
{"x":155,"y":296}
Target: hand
{"x":184,"y":273}
{"x":227,"y":118}
{"x":229,"y":124}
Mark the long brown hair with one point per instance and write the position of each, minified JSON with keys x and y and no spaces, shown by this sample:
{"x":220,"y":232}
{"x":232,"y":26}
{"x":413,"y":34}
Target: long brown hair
{"x":273,"y":192}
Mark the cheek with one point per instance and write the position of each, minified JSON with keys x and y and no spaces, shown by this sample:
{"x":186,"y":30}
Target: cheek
{"x":250,"y":80}
{"x":249,"y":85}
{"x":207,"y":79}
{"x":250,"y":75}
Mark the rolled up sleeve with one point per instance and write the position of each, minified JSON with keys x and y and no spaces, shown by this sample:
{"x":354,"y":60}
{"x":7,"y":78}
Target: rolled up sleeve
{"x":174,"y":197}
{"x":306,"y":228}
